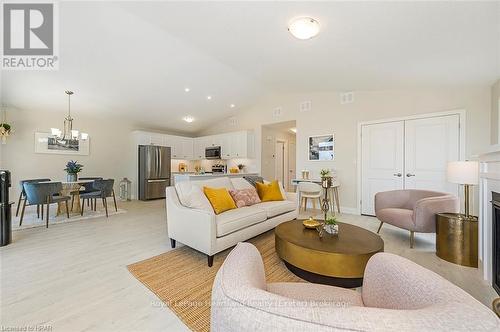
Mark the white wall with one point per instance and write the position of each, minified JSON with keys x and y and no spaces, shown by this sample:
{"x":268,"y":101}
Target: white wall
{"x":329,"y":116}
{"x":495,"y":116}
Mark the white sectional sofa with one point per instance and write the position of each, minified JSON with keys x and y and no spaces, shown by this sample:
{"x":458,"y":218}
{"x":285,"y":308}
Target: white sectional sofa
{"x":192,"y":221}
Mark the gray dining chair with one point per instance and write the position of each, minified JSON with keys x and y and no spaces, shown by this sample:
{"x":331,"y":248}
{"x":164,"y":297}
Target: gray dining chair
{"x":22,"y":195}
{"x":87,"y":188}
{"x":104,"y":190}
{"x":40,"y":193}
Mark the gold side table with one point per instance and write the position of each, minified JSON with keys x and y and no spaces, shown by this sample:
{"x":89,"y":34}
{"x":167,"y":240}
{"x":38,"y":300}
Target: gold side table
{"x":456,"y":238}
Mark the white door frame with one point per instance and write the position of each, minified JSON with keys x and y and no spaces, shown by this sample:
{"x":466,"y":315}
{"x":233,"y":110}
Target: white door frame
{"x":462,"y":113}
{"x":285,"y":161}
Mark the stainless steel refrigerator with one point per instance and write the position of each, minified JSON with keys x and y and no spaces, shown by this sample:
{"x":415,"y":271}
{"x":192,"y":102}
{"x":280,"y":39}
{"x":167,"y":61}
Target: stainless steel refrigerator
{"x":154,"y":171}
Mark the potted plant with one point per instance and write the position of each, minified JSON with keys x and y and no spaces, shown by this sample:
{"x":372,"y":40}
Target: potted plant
{"x":331,"y":225}
{"x":5,"y":130}
{"x":326,"y":178}
{"x":73,"y":168}
{"x":240,"y":167}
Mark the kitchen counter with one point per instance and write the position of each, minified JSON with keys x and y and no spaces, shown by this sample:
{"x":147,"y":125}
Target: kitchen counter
{"x":179,"y":177}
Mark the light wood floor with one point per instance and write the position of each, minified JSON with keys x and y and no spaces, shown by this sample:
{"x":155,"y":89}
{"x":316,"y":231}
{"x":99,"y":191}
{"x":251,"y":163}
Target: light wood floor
{"x":73,"y":277}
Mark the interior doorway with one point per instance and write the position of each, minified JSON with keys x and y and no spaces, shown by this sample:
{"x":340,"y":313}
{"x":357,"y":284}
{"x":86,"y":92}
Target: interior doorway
{"x":278,"y":160}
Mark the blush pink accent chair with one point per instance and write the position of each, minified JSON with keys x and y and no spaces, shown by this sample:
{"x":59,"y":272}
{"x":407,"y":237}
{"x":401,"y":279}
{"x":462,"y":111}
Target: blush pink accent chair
{"x":397,"y":295}
{"x":414,"y":210}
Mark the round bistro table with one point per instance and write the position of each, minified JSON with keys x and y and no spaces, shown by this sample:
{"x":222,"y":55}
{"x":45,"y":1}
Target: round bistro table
{"x":338,"y":260}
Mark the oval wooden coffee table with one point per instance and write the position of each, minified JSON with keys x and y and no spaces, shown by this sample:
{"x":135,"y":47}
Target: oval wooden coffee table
{"x":338,"y":260}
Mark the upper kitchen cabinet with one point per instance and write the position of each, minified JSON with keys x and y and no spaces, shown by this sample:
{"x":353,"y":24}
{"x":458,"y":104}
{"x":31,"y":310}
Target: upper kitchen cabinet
{"x":233,"y":145}
{"x":199,"y":146}
{"x":242,"y":145}
{"x":181,"y":147}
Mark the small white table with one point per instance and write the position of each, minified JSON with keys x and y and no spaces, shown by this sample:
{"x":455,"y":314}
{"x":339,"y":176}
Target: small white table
{"x":334,"y":195}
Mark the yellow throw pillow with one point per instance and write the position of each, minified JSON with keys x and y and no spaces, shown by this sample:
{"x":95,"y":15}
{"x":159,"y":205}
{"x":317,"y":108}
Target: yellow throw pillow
{"x":269,"y":191}
{"x":220,"y":199}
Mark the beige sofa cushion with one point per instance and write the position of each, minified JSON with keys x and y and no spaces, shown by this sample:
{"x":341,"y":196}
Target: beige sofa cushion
{"x":234,"y":220}
{"x":276,"y":208}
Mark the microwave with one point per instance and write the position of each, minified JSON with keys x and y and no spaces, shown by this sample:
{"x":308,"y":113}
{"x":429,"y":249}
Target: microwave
{"x":212,"y":152}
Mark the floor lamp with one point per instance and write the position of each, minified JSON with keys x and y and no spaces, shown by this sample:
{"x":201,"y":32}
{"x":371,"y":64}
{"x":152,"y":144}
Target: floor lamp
{"x":467,"y":174}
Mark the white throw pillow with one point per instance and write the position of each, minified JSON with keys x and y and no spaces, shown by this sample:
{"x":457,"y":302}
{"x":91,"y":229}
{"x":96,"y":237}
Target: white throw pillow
{"x":222,"y":182}
{"x":192,"y":196}
{"x":241,"y":183}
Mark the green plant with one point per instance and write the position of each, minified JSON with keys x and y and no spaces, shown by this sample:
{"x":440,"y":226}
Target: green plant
{"x":6,"y":126}
{"x":73,"y":167}
{"x":241,"y":166}
{"x":325,"y":173}
{"x":331,"y":220}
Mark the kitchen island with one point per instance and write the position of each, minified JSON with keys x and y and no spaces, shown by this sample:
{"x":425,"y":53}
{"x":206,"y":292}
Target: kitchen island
{"x":179,"y":177}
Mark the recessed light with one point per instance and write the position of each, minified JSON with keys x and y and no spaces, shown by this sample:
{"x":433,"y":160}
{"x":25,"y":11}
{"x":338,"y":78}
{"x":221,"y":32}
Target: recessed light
{"x":187,"y":89}
{"x":304,"y":28}
{"x":188,"y":119}
{"x":209,"y":97}
{"x":232,"y":105}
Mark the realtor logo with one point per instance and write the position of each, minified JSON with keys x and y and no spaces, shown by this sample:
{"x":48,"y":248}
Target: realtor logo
{"x":29,"y":36}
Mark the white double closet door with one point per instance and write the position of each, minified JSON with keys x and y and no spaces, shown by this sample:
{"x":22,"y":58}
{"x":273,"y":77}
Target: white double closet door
{"x":409,"y":154}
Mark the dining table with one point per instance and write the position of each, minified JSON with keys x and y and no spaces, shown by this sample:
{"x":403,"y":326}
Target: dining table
{"x":71,"y":188}
{"x":333,"y":190}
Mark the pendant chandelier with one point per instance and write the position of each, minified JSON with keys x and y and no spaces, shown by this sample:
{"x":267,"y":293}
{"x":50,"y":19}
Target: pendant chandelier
{"x":68,"y":133}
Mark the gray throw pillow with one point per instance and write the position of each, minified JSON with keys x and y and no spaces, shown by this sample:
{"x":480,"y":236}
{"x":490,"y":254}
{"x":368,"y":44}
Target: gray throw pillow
{"x":252,"y":179}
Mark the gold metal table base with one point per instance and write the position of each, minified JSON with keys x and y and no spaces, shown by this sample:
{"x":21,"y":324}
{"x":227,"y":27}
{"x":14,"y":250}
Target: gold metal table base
{"x":457,"y":239}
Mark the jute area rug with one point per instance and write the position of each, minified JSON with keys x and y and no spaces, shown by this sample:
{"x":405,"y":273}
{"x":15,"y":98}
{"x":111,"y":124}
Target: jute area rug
{"x":182,"y":280}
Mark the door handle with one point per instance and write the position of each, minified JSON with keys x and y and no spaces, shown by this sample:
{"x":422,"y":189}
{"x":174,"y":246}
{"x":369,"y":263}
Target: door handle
{"x":151,"y":181}
{"x":409,"y":175}
{"x":398,"y":175}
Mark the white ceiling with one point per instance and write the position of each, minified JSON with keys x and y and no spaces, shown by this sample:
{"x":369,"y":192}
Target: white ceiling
{"x":133,"y":59}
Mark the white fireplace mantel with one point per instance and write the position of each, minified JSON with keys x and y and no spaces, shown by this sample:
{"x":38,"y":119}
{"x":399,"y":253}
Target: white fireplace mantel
{"x":489,"y":181}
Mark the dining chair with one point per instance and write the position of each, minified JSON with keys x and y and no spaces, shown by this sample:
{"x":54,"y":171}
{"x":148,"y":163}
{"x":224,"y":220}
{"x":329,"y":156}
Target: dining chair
{"x":87,"y":188}
{"x":309,"y":190}
{"x":22,"y":195}
{"x":104,"y":190}
{"x":40,"y":193}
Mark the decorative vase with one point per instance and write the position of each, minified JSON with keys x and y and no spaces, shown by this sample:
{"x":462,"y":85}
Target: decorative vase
{"x":331,"y":229}
{"x":72,"y":177}
{"x":326,"y":182}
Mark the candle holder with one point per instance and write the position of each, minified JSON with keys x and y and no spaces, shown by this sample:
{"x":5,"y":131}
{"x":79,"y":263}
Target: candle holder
{"x":326,"y":184}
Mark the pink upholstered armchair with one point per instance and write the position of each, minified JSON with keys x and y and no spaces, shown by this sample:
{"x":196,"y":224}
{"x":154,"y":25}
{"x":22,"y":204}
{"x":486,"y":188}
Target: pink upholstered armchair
{"x":414,"y":210}
{"x":397,"y":295}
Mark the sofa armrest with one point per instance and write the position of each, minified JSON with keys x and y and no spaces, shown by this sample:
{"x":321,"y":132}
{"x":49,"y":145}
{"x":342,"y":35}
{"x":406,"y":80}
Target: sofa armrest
{"x":424,"y":213}
{"x":192,"y":227}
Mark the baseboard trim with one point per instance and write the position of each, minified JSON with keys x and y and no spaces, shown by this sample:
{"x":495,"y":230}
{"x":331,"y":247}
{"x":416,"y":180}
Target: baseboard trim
{"x":349,"y":210}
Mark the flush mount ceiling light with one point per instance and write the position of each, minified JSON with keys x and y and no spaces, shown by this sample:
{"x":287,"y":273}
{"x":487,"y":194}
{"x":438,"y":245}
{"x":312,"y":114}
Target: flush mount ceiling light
{"x":209,"y":97}
{"x":188,"y":119}
{"x":187,"y":89}
{"x":232,"y":105}
{"x":304,"y":28}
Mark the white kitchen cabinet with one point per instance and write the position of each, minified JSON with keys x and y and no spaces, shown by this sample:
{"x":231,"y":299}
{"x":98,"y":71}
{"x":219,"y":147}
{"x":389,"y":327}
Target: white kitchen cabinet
{"x":233,"y":145}
{"x":199,"y":146}
{"x":225,"y":145}
{"x":186,"y":148}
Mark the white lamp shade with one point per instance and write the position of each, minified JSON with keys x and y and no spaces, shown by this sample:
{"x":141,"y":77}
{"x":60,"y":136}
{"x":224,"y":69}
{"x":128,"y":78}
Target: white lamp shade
{"x":463,"y":172}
